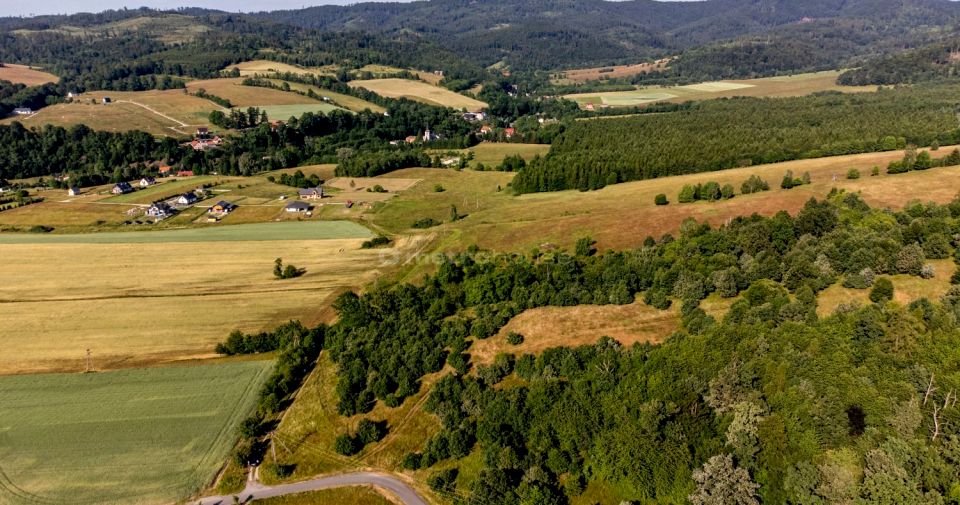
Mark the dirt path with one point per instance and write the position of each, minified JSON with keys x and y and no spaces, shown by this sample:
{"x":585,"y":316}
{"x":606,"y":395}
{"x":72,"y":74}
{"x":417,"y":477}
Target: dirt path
{"x":256,"y":491}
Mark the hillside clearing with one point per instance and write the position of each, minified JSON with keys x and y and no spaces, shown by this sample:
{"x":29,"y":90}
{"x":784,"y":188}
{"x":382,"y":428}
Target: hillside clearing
{"x":906,"y":289}
{"x":580,"y":75}
{"x":262,"y":67}
{"x":22,"y":74}
{"x":491,"y":154}
{"x":169,"y":112}
{"x":546,"y":327}
{"x":285,"y":112}
{"x":419,"y":91}
{"x":346,"y":101}
{"x":133,"y":436}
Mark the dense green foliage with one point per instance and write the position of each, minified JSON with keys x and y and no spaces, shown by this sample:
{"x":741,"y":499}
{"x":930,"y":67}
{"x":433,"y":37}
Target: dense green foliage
{"x":790,"y":404}
{"x":928,"y":63}
{"x":715,"y":135}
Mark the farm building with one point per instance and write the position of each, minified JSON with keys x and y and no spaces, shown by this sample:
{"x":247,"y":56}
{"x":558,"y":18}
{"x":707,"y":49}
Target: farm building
{"x":185,"y":173}
{"x":297,"y":207}
{"x":73,"y":191}
{"x":310,"y":193}
{"x":122,"y":188}
{"x":510,"y":132}
{"x":221,"y":208}
{"x":165,"y":170}
{"x":147,"y":181}
{"x":203,"y":132}
{"x":486,"y":130}
{"x":411,"y":139}
{"x":106,"y":100}
{"x":160,"y":210}
{"x":23,"y":111}
{"x":187,"y":199}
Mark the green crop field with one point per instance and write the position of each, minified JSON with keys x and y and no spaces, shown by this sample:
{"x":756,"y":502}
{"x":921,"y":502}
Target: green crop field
{"x":132,"y":436}
{"x":293,"y":230}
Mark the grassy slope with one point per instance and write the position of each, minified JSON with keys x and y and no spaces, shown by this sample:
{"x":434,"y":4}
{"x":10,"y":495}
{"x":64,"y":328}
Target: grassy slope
{"x":132,"y":436}
{"x":248,"y":96}
{"x":350,"y":102}
{"x":20,"y":74}
{"x":342,"y":496}
{"x":420,"y":91}
{"x":622,"y":215}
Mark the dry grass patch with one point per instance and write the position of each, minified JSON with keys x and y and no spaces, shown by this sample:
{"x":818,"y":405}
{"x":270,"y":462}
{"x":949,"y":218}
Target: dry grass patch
{"x":611,"y":72}
{"x":546,"y":327}
{"x":419,"y":91}
{"x":342,"y":496}
{"x":250,"y":68}
{"x":491,"y":154}
{"x":346,"y":101}
{"x":21,"y":74}
{"x":906,"y":289}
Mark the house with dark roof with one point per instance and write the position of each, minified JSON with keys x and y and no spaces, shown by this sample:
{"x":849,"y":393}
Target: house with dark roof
{"x":189,"y":198}
{"x":73,"y":191}
{"x":298,"y":207}
{"x":122,"y":188}
{"x":147,"y":181}
{"x":221,"y":208}
{"x":310,"y":193}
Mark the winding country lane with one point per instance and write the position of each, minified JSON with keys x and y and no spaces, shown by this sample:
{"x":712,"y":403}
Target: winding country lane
{"x":257,"y":491}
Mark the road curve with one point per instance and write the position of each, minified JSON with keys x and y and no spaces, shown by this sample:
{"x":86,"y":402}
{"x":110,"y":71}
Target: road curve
{"x":257,"y":491}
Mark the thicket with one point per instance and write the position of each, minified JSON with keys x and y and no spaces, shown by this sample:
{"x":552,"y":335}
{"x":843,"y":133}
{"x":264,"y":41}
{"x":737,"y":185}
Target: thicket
{"x":710,"y":191}
{"x":712,"y":135}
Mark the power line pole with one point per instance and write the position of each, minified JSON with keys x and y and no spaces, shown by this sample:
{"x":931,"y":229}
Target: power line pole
{"x":89,"y":362}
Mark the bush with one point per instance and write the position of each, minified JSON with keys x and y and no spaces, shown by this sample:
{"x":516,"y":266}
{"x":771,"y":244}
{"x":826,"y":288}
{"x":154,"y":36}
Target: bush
{"x":412,"y":461}
{"x":882,"y":290}
{"x":710,"y":191}
{"x":286,"y":272}
{"x":427,"y":222}
{"x":853,"y":173}
{"x":927,"y":271}
{"x":910,"y":260}
{"x":514,"y":338}
{"x":438,"y":188}
{"x":875,"y":171}
{"x":376,"y":189}
{"x":727,"y":191}
{"x":369,"y":432}
{"x":754,"y":184}
{"x":443,"y":481}
{"x":375,"y":242}
{"x":661,"y":199}
{"x":346,"y":445}
{"x":688,"y":194}
{"x":40,"y":229}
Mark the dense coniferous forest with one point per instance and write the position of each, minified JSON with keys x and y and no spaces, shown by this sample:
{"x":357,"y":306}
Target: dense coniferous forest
{"x":769,"y":404}
{"x":719,"y":134}
{"x":933,"y":62}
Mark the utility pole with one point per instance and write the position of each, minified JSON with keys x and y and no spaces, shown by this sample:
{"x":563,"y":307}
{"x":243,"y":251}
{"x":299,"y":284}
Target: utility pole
{"x":89,"y":362}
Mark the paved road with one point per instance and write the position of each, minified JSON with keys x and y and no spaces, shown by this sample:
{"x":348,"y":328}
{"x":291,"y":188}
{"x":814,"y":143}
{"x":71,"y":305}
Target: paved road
{"x":257,"y":491}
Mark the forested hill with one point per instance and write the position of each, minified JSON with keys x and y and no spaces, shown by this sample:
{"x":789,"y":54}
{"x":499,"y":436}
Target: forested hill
{"x":551,"y":33}
{"x":931,"y":62}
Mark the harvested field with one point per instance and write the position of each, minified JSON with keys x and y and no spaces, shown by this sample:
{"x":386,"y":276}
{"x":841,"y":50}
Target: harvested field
{"x":136,"y":298}
{"x":546,"y":327}
{"x":22,"y":74}
{"x":346,"y":101}
{"x":285,"y":112}
{"x":419,"y":91}
{"x":795,"y":85}
{"x":491,"y":154}
{"x":140,"y":436}
{"x":248,"y":96}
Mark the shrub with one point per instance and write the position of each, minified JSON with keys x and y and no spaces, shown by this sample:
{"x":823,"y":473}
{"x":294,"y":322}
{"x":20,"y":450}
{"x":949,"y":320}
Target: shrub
{"x":438,"y":188}
{"x":910,"y":260}
{"x":688,"y":194}
{"x":286,"y":272}
{"x":853,"y":173}
{"x":875,"y":171}
{"x":369,"y":432}
{"x":927,"y":271}
{"x":726,"y":192}
{"x":584,"y":247}
{"x":657,"y":299}
{"x":346,"y":445}
{"x":936,"y":246}
{"x":427,"y":222}
{"x":375,"y":242}
{"x":754,"y":184}
{"x":514,"y":338}
{"x":882,"y":290}
{"x":661,"y":199}
{"x":376,"y":189}
{"x":412,"y":461}
{"x":443,"y":480}
{"x":710,"y":191}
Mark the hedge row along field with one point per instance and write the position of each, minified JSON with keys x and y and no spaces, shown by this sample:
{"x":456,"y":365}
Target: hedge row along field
{"x":716,"y":135}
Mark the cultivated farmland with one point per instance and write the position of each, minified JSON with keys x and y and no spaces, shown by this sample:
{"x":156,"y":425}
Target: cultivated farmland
{"x":22,"y":74}
{"x":419,"y":91}
{"x":262,"y":67}
{"x":795,"y":85}
{"x":139,"y":436}
{"x":346,"y":101}
{"x":144,"y":297}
